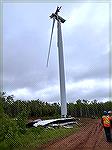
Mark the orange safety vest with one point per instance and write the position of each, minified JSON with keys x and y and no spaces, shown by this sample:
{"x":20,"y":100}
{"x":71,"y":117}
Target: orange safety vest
{"x":111,"y":121}
{"x":106,"y":121}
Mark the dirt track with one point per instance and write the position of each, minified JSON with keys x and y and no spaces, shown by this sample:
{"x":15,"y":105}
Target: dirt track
{"x":88,"y":138}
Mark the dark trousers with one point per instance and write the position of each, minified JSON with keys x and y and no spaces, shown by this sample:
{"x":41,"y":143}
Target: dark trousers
{"x":107,"y":133}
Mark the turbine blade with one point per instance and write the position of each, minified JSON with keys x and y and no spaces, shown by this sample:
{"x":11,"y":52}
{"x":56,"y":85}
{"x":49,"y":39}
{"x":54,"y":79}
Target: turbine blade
{"x":50,"y":41}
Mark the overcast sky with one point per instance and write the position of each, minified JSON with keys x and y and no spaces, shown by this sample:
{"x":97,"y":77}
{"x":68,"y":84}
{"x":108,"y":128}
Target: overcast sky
{"x":26,"y":35}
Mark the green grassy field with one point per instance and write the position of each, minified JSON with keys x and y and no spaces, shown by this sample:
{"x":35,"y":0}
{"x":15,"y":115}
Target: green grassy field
{"x":34,"y":137}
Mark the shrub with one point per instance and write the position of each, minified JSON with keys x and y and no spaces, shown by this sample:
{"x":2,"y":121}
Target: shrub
{"x":21,"y":122}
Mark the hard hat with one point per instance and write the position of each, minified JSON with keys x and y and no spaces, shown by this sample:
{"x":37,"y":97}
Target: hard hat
{"x":110,"y":112}
{"x":105,"y":112}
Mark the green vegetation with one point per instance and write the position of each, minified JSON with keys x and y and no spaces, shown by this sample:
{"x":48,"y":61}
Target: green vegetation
{"x":14,"y":115}
{"x":15,"y":136}
{"x":39,"y":109}
{"x":12,"y":136}
{"x":37,"y":136}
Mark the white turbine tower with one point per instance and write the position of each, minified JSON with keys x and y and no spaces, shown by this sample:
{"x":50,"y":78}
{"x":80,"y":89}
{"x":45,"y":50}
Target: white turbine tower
{"x":59,"y":20}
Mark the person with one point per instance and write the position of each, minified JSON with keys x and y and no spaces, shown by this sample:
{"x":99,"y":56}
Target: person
{"x":110,"y":114}
{"x":98,"y":125}
{"x":106,"y":125}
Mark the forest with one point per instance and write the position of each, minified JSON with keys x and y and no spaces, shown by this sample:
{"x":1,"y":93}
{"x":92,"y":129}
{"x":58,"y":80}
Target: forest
{"x":39,"y":109}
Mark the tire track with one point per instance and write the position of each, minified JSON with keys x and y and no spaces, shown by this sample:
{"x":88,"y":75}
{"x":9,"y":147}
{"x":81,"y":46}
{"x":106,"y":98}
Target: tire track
{"x":88,"y":138}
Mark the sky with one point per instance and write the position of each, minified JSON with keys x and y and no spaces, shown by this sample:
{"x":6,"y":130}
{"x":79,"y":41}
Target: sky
{"x":26,"y":36}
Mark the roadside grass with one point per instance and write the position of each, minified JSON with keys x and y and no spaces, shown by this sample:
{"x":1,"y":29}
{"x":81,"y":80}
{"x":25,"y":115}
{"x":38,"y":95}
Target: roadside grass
{"x":34,"y":137}
{"x":15,"y":136}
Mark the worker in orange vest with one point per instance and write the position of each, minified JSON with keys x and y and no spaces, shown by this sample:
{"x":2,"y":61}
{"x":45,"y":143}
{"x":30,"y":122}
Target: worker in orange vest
{"x":110,"y":114}
{"x":106,"y":124}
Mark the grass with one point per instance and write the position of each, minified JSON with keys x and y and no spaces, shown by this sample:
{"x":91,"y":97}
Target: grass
{"x":15,"y":136}
{"x":35,"y":137}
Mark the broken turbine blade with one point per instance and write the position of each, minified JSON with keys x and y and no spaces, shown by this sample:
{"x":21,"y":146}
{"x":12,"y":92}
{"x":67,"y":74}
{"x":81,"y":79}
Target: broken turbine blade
{"x":50,"y":41}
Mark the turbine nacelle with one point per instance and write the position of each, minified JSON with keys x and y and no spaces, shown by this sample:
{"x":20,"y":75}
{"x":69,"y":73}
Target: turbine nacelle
{"x":57,"y":17}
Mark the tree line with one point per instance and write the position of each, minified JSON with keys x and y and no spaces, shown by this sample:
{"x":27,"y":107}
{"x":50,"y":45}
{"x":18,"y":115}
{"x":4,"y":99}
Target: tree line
{"x":38,"y":108}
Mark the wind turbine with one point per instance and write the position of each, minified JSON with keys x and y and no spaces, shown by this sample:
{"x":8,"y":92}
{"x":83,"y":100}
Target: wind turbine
{"x":59,"y":20}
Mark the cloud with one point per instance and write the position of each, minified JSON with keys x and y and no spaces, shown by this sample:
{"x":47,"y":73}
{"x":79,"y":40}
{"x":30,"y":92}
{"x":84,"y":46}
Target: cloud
{"x":77,"y":16}
{"x":26,"y":33}
{"x":93,"y":15}
{"x":84,"y":89}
